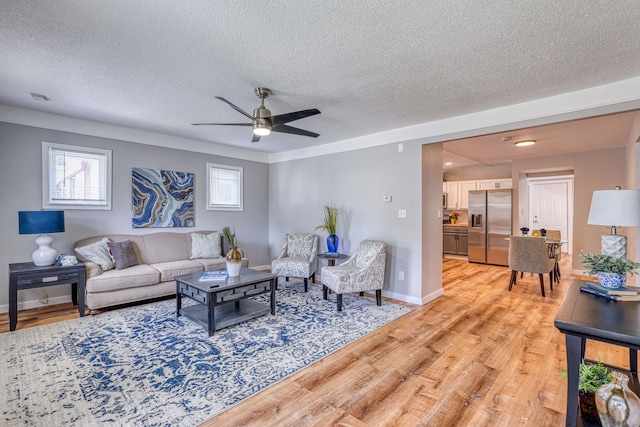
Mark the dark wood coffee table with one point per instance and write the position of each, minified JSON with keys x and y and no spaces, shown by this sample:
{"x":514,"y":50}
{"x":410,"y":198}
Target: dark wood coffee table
{"x":225,"y":303}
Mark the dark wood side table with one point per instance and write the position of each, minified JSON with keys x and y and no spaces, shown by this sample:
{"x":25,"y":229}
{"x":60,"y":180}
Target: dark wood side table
{"x":331,"y":259}
{"x":26,"y":275}
{"x":583,"y":316}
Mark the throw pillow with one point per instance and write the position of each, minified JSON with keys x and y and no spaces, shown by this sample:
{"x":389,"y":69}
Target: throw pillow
{"x":122,"y":254}
{"x":97,"y":252}
{"x":206,"y":245}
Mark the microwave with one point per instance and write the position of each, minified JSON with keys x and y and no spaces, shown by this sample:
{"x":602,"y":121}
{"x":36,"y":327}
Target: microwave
{"x":444,"y":200}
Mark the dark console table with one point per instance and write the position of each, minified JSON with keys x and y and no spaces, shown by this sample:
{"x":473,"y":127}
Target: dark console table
{"x":26,"y":275}
{"x":583,"y":316}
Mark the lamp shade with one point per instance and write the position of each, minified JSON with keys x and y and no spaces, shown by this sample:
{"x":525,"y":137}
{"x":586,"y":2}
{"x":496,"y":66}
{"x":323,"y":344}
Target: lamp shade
{"x":615,"y":208}
{"x":40,"y":222}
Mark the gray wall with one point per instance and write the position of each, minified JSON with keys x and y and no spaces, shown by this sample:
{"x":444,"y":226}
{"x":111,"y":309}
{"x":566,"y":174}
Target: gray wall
{"x":356,"y":182}
{"x":21,"y":172}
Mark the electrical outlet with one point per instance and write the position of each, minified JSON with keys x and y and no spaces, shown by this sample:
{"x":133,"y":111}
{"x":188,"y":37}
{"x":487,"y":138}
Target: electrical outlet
{"x":400,"y":275}
{"x":386,"y":199}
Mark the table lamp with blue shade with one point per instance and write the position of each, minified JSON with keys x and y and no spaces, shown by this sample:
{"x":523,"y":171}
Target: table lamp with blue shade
{"x":42,"y":223}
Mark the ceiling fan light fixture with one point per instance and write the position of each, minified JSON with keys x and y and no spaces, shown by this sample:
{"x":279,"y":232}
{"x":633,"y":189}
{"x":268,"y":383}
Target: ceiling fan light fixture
{"x":261,"y":129}
{"x":525,"y":142}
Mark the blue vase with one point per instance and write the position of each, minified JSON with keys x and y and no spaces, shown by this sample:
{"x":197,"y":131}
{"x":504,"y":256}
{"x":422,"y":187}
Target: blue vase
{"x":332,"y":243}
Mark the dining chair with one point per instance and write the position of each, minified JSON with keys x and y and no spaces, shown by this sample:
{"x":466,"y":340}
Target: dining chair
{"x":555,"y":236}
{"x":527,"y":254}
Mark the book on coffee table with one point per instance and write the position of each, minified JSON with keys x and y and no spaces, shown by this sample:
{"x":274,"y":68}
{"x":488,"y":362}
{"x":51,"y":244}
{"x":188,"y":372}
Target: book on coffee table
{"x":622,"y":290}
{"x":592,"y":291}
{"x":214,"y":276}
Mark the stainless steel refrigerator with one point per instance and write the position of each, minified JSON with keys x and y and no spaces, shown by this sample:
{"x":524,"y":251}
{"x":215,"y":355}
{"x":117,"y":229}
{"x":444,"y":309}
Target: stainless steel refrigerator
{"x":489,"y":226}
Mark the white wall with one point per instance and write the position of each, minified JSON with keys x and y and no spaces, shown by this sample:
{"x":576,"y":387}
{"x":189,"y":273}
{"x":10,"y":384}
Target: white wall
{"x":355,"y":182}
{"x":21,"y":173}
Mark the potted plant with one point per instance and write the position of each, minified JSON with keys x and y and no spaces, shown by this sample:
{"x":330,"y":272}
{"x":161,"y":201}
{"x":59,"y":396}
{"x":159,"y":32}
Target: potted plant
{"x":611,"y":271}
{"x":453,"y":217}
{"x":234,"y":257}
{"x":329,"y":223}
{"x":591,"y":377}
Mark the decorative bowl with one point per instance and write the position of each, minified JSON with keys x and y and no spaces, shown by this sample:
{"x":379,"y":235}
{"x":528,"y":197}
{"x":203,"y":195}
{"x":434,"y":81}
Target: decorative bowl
{"x":611,"y":280}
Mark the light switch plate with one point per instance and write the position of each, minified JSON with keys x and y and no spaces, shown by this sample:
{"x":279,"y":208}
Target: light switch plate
{"x":402,"y":213}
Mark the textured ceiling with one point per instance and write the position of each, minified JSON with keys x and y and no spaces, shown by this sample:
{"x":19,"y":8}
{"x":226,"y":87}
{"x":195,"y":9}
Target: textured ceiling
{"x":367,"y":66}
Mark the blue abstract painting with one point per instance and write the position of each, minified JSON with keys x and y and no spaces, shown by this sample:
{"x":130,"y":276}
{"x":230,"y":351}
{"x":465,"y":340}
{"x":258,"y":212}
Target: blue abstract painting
{"x":162,"y":198}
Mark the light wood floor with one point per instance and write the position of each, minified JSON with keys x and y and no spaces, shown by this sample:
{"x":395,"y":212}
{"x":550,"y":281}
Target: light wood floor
{"x":478,"y":356}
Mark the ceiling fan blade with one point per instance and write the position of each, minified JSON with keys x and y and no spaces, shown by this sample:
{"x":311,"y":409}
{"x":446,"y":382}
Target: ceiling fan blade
{"x":255,"y":138}
{"x":295,"y":131}
{"x":289,"y":117}
{"x":222,"y":124}
{"x":238,"y":109}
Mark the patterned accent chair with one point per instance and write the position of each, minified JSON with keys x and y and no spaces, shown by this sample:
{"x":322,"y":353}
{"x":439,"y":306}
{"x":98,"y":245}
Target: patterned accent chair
{"x":528,"y":254}
{"x":297,"y":258}
{"x":363,"y":271}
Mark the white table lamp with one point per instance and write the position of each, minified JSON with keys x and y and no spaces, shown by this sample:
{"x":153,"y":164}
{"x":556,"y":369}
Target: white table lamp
{"x":615,"y":208}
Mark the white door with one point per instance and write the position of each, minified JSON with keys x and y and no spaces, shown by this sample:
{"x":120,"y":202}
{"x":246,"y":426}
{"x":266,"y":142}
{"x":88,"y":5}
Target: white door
{"x":549,"y":207}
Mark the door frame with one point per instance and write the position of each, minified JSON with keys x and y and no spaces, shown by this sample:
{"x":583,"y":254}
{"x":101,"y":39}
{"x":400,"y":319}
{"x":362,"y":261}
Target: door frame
{"x":568,"y":179}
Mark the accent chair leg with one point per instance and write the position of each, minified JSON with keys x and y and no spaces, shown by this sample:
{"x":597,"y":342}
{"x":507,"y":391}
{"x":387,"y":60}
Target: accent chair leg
{"x":306,"y":284}
{"x":514,"y":274}
{"x":286,"y":278}
{"x":324,"y":291}
{"x":521,"y":274}
{"x":339,"y":299}
{"x":542,"y":283}
{"x":379,"y":297}
{"x":313,"y":278}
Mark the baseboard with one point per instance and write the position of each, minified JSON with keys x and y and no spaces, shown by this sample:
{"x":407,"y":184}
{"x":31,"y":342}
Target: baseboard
{"x":25,"y":305}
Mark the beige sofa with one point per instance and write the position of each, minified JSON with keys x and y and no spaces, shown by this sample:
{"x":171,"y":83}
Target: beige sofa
{"x":161,"y":257}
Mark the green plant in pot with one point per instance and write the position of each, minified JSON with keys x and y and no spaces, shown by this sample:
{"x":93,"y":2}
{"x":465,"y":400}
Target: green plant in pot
{"x":590,"y":377}
{"x":329,"y":223}
{"x":612,"y":272}
{"x":234,"y":257}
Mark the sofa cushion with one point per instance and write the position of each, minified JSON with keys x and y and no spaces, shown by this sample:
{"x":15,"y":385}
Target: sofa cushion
{"x":165,"y":247}
{"x":113,"y":280}
{"x":206,"y":245}
{"x":97,"y":252}
{"x":171,"y":269}
{"x":212,"y":263}
{"x":122,"y":254}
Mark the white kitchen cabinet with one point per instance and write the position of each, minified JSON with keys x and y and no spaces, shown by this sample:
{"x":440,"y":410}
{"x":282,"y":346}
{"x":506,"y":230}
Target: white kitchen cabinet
{"x":465,"y":187}
{"x":458,"y":193}
{"x":453,"y":194}
{"x":493,"y":184}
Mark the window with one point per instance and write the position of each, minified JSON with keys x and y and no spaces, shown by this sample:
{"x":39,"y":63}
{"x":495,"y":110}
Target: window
{"x":75,"y":177}
{"x":224,"y":188}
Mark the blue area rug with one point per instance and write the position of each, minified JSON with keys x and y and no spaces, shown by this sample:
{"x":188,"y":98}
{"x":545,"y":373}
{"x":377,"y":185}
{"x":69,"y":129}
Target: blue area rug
{"x":143,"y":366}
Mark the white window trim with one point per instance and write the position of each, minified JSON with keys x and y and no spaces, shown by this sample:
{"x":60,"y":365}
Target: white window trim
{"x":211,"y":206}
{"x":47,"y":203}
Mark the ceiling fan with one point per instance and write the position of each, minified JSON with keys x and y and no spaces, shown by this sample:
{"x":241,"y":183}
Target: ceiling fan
{"x":263,"y":122}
